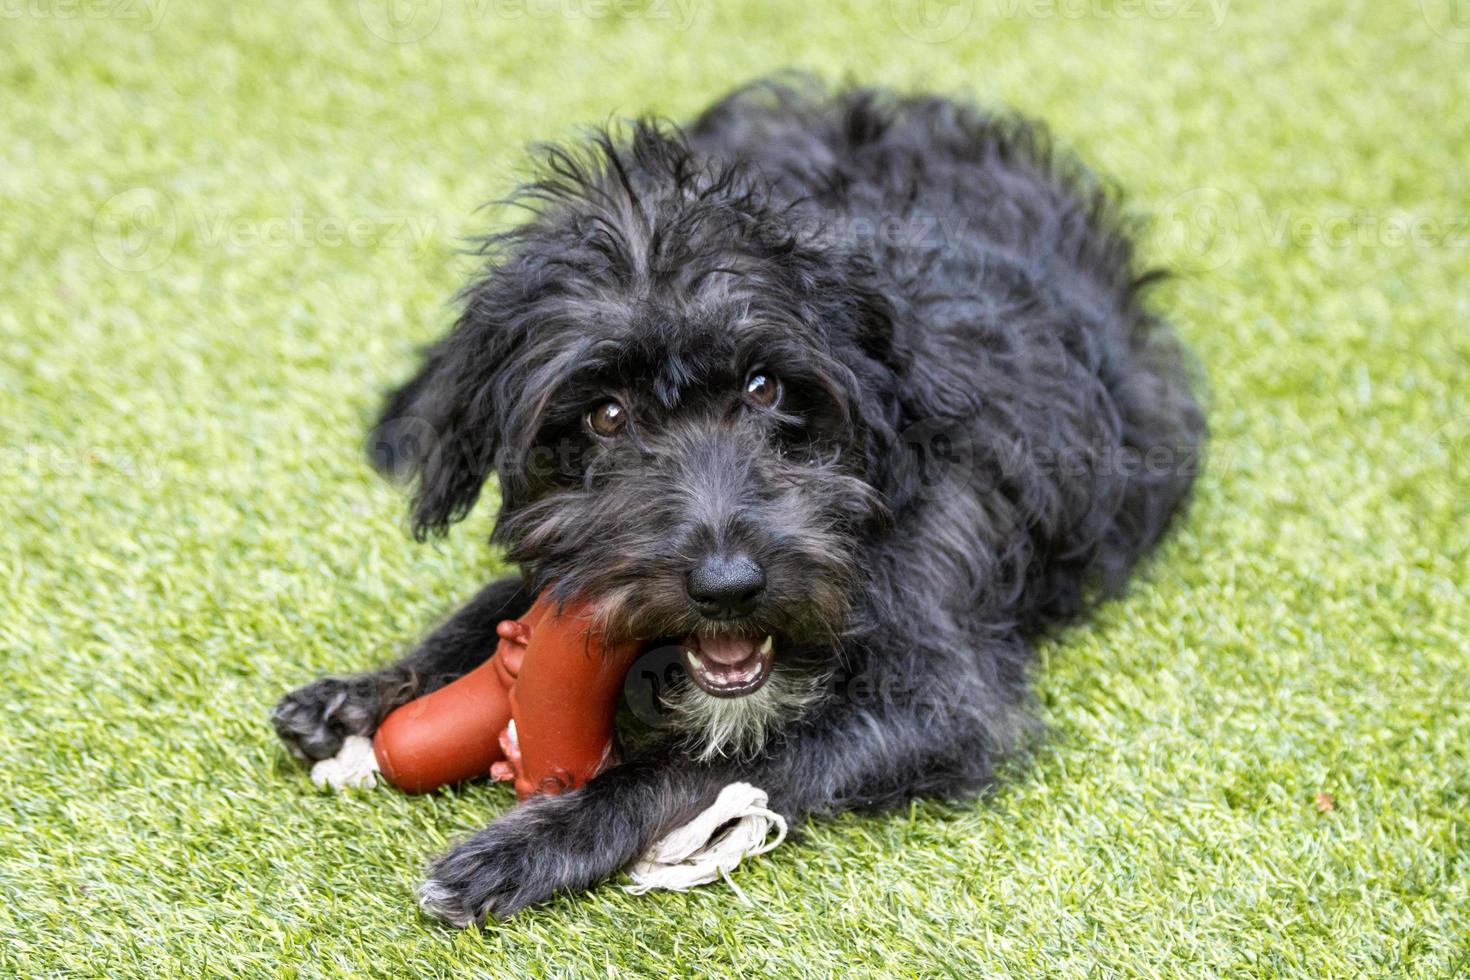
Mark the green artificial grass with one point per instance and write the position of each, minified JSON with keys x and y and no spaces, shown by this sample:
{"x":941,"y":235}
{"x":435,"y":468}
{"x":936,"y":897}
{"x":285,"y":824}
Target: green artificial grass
{"x":190,"y":529}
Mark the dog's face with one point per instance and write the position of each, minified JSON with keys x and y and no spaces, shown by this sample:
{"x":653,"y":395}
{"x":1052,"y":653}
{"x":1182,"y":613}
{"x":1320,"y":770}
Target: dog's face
{"x":687,"y":473}
{"x":689,"y":414}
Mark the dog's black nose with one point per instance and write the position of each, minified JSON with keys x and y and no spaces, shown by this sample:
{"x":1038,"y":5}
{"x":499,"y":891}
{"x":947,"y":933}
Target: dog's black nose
{"x":726,"y":586}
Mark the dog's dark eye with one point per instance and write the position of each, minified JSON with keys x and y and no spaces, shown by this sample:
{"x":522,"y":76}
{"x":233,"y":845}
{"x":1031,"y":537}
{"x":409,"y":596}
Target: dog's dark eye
{"x":608,"y":418}
{"x":763,"y":389}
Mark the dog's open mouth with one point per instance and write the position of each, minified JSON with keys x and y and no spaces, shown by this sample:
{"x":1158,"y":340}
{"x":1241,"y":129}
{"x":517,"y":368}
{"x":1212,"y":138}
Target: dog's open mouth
{"x":729,"y":665}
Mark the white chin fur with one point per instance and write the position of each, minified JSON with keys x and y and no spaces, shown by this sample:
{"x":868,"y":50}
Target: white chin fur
{"x":738,"y":727}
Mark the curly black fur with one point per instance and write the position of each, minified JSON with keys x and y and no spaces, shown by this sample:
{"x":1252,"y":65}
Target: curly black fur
{"x":982,"y":428}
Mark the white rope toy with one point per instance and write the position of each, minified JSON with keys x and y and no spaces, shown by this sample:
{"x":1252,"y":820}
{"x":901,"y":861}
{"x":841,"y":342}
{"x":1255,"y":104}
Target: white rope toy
{"x":735,"y":826}
{"x":709,"y":846}
{"x":355,"y":766}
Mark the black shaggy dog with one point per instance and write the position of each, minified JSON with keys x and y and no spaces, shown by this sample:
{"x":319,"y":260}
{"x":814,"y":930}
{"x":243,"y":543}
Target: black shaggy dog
{"x":847,"y":395}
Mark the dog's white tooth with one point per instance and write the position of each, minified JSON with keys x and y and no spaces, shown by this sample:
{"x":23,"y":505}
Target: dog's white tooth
{"x":691,"y":658}
{"x":768,"y":646}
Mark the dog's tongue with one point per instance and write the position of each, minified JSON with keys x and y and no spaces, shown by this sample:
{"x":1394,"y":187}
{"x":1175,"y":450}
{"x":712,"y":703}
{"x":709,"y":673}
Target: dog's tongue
{"x":728,"y":650}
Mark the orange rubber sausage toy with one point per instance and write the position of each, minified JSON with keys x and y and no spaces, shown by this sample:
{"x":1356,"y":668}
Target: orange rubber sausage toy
{"x":538,"y":712}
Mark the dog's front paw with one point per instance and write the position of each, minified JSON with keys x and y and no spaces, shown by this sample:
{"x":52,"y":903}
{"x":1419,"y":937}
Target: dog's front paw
{"x":540,"y":848}
{"x":497,"y":872}
{"x":313,"y":720}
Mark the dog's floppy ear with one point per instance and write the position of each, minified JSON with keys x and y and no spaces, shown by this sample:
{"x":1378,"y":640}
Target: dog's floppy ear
{"x":440,"y":428}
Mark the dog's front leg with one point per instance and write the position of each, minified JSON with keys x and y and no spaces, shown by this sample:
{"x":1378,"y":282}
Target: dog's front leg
{"x":566,"y":843}
{"x":882,"y":751}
